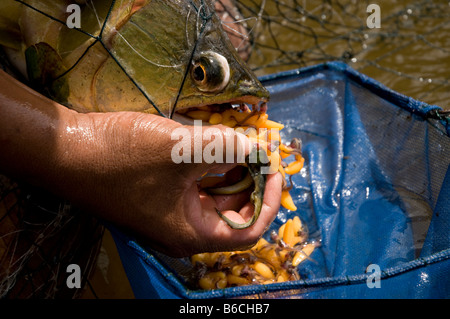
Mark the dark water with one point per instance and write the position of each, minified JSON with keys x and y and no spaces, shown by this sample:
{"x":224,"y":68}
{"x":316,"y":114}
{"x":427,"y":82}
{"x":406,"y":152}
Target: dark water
{"x":409,"y":53}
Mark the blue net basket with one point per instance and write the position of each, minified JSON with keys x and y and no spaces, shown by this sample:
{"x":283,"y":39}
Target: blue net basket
{"x":374,"y":189}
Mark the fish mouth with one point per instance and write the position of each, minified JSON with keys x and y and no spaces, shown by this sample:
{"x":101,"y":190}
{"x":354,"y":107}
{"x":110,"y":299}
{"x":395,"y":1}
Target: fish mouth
{"x":250,"y":105}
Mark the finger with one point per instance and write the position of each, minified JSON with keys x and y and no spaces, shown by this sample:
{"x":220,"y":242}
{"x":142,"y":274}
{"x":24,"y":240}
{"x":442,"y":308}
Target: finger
{"x":234,"y":202}
{"x":216,"y":149}
{"x":225,"y":238}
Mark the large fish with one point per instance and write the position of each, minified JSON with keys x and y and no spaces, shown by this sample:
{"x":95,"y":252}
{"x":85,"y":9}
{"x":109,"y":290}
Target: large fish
{"x":156,"y":56}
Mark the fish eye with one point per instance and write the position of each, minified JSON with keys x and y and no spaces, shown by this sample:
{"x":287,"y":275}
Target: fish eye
{"x":199,"y":73}
{"x":210,"y":72}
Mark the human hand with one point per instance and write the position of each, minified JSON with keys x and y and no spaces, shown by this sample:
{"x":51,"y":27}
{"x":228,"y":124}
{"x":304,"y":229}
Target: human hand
{"x":118,"y":166}
{"x":158,"y":200}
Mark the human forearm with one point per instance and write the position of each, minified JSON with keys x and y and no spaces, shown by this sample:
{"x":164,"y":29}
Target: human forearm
{"x":30,"y":126}
{"x":71,"y":154}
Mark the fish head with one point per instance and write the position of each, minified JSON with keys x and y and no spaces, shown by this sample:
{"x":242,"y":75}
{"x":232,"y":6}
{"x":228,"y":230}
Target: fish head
{"x":216,"y":73}
{"x":187,"y":62}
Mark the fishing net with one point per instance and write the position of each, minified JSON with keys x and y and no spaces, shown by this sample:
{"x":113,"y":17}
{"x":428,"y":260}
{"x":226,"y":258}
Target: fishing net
{"x":409,"y":53}
{"x":40,"y":236}
{"x":369,"y":204}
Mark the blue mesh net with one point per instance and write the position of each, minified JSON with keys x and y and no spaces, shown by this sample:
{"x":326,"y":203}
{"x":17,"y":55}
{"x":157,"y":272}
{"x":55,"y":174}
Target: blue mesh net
{"x":375,"y":190}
